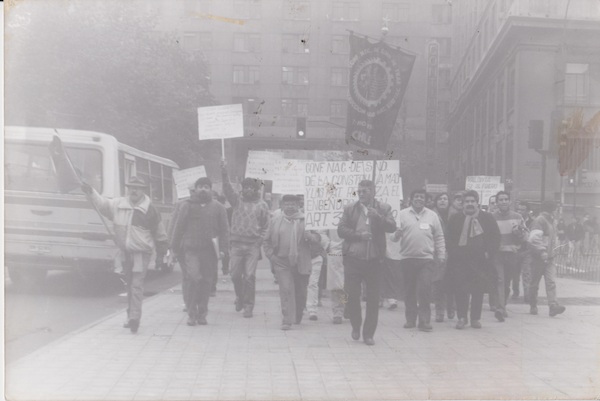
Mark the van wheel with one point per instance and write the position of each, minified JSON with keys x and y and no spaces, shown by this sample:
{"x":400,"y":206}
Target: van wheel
{"x":26,"y":277}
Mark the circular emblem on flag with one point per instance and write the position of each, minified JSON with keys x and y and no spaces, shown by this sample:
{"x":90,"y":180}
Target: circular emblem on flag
{"x":375,"y":81}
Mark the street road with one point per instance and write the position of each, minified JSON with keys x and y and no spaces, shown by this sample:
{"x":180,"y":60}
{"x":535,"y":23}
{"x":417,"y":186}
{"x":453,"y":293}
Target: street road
{"x":64,"y":303}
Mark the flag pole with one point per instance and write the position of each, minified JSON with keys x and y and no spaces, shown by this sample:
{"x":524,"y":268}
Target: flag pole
{"x":88,"y":197}
{"x":222,"y":148}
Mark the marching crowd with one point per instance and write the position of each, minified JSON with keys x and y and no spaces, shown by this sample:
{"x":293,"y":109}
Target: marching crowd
{"x":447,"y":251}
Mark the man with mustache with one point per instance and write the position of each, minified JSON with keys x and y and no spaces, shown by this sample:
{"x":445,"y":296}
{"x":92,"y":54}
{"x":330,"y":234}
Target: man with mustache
{"x":473,"y":242}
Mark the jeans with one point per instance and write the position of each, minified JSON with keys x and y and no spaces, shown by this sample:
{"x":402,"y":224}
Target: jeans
{"x":355,"y":272}
{"x":292,"y":290}
{"x":244,"y":258}
{"x":338,"y":302}
{"x":200,"y":265}
{"x":547,"y":269}
{"x":505,"y":266}
{"x":135,"y":283}
{"x":313,"y":286}
{"x":417,"y":274}
{"x":524,"y":263}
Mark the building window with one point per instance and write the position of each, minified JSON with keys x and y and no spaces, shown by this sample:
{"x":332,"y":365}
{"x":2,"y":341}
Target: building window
{"x":499,"y":158}
{"x":500,"y":102}
{"x":337,"y":108}
{"x":346,"y":10}
{"x":192,"y":7}
{"x":576,"y":83}
{"x":510,"y":90}
{"x":196,"y":41}
{"x":295,"y":44}
{"x":441,"y":14}
{"x":246,"y":74}
{"x":296,"y":10}
{"x":340,"y":44}
{"x":294,"y":107}
{"x":246,"y":42}
{"x":395,"y":12}
{"x":294,"y":75}
{"x":445,"y":46}
{"x":339,"y":76}
{"x":249,"y":105}
{"x":508,"y":153}
{"x":246,"y":9}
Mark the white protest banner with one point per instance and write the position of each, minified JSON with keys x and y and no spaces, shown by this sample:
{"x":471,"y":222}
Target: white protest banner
{"x":486,"y":186}
{"x":288,"y":177}
{"x":185,"y":178}
{"x":261,"y":164}
{"x":436,"y":188}
{"x":329,"y":186}
{"x":220,"y":122}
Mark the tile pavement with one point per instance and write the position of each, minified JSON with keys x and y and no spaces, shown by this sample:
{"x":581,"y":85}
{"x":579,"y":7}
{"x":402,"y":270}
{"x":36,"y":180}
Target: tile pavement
{"x":251,"y":359}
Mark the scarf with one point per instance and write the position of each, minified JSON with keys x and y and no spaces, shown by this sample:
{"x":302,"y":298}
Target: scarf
{"x":471,"y":228}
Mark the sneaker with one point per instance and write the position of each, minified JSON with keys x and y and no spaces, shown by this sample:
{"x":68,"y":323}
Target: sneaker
{"x":426,"y":327}
{"x":409,"y":325}
{"x":476,"y":324}
{"x":369,"y":341}
{"x":355,"y":335}
{"x":134,"y":325}
{"x":499,"y":315}
{"x":286,"y":327}
{"x":202,"y":321}
{"x":393,"y":306}
{"x":533,"y":310}
{"x":439,"y":318}
{"x":462,"y":323}
{"x":191,"y":321}
{"x":556,"y":310}
{"x":313,"y":317}
{"x":247,"y":313}
{"x":337,"y":320}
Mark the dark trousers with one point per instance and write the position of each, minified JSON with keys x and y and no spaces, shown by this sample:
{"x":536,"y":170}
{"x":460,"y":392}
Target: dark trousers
{"x":200,"y":264}
{"x":292,"y":290}
{"x":355,"y":272}
{"x":469,"y":283}
{"x":417,"y":274}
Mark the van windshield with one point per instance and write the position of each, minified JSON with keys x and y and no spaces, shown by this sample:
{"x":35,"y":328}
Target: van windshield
{"x":28,"y":167}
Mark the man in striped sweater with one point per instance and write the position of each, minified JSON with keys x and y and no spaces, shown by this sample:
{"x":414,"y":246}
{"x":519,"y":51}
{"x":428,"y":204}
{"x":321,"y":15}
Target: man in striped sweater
{"x":505,"y":263}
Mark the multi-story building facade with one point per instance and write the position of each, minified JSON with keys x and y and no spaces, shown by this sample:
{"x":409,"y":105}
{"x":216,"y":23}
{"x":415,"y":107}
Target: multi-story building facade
{"x":287,"y":58}
{"x":516,"y":61}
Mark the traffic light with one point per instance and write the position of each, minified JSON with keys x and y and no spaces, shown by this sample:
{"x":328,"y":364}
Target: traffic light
{"x":536,"y":134}
{"x":301,"y":127}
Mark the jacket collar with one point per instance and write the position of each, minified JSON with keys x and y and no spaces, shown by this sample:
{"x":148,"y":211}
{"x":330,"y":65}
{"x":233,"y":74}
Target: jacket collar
{"x":143,"y":206}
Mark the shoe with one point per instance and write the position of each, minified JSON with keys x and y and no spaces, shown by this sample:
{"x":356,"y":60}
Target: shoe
{"x":238,"y":305}
{"x":499,"y":315}
{"x":533,"y":310}
{"x":247,"y":313}
{"x":475,"y":324}
{"x":313,"y":317}
{"x":126,"y":325}
{"x":337,"y":320}
{"x":191,"y":321}
{"x":202,"y":321}
{"x":286,"y":327}
{"x":369,"y":341}
{"x":355,"y":335}
{"x":451,"y":314}
{"x":439,"y":318}
{"x":426,"y":327}
{"x":408,"y":325}
{"x":134,"y":325}
{"x":462,"y":323}
{"x":556,"y":310}
{"x":393,"y":306}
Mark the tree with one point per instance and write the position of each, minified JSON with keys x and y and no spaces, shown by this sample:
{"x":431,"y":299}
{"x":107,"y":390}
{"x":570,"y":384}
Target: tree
{"x":101,"y":66}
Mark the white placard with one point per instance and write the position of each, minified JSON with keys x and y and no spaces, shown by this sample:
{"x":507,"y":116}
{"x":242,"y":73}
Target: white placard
{"x":220,"y":122}
{"x":486,"y":186}
{"x":261,"y":164}
{"x":185,"y":178}
{"x":288,"y":177}
{"x":329,"y":186}
{"x":436,"y":188}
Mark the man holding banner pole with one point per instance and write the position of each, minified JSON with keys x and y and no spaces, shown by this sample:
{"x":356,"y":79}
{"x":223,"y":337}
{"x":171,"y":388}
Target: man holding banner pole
{"x":362,"y":227}
{"x":249,"y":225}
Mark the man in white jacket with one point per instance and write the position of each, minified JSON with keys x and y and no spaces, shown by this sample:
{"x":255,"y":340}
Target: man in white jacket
{"x":138,"y":231}
{"x":542,"y":240}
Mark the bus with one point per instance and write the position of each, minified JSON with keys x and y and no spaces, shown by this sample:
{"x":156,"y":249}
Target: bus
{"x":45,"y":229}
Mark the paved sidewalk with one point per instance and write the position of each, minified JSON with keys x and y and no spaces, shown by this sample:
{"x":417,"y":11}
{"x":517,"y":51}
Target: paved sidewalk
{"x":251,"y":359}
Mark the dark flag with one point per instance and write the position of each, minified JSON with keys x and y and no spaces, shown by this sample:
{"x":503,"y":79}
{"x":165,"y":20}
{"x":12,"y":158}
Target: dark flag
{"x":379,"y":74}
{"x":67,"y":177}
{"x":576,"y":142}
